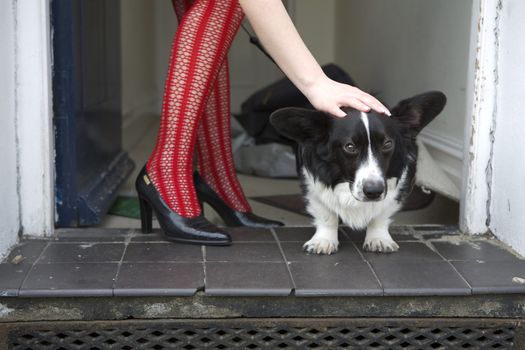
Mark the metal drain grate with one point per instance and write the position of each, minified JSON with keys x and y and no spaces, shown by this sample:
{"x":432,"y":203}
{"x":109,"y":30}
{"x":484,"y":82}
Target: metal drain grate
{"x":251,"y":336}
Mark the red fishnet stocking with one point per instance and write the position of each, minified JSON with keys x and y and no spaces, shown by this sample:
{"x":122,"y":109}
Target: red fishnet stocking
{"x":215,"y":159}
{"x":214,"y":149}
{"x":200,"y":46}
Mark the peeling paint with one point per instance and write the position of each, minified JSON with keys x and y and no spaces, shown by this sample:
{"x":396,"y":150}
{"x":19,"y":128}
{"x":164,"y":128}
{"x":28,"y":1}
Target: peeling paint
{"x":17,"y":122}
{"x":87,"y":245}
{"x":71,"y":312}
{"x":518,"y":280}
{"x":490,"y":165}
{"x":458,"y":239}
{"x":473,"y":242}
{"x":478,"y":185}
{"x":4,"y":311}
{"x":156,"y":310}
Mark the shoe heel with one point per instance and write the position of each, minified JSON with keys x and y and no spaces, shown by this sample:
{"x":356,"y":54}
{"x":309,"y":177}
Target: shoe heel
{"x":146,"y":216}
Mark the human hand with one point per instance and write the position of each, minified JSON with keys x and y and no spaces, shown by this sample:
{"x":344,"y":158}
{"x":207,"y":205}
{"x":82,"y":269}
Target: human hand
{"x":329,"y":96}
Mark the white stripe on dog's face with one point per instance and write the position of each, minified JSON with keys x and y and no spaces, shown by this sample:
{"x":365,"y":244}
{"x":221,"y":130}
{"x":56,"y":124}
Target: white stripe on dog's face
{"x":369,"y":170}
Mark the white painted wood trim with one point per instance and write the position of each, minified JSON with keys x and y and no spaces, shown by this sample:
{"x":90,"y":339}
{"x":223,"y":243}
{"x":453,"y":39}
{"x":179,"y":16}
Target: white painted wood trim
{"x":34,"y":117}
{"x":9,"y":213}
{"x":448,"y":148}
{"x":481,"y":107}
{"x":445,"y":144}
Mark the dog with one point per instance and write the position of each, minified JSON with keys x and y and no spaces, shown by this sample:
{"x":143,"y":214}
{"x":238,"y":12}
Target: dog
{"x":359,"y":168}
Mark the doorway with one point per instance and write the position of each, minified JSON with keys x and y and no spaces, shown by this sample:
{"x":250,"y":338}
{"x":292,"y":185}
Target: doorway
{"x":90,"y":162}
{"x":147,"y":31}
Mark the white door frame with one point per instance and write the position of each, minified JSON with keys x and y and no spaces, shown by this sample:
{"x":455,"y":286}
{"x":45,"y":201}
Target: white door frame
{"x":33,"y":116}
{"x":479,"y":131}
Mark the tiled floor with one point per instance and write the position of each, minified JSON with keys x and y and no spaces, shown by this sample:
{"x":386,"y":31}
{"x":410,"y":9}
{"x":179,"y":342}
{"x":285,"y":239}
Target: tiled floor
{"x":114,"y":259}
{"x":432,"y":260}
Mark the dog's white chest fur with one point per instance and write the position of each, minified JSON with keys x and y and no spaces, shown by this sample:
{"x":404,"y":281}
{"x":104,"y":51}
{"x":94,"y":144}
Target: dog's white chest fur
{"x":327,"y":205}
{"x":356,"y":214}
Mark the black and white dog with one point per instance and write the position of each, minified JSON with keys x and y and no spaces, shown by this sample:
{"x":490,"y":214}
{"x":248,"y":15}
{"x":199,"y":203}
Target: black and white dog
{"x":358,"y":168}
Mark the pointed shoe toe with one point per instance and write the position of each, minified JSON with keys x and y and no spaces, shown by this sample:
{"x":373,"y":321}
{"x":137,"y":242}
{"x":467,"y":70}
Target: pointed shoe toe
{"x":230,"y":216}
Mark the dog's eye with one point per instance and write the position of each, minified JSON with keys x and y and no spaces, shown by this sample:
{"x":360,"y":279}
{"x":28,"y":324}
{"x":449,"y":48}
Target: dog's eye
{"x":350,"y":148}
{"x":387,"y":145}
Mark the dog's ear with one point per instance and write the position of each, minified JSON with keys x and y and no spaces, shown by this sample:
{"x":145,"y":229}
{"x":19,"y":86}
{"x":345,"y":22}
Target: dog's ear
{"x":416,"y":112}
{"x":300,"y":124}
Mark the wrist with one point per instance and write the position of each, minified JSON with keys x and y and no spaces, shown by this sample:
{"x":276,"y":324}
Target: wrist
{"x":308,"y":83}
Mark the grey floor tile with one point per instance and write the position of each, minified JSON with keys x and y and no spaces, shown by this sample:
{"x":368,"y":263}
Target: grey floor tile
{"x":17,"y":264}
{"x":294,"y":234}
{"x":92,"y":235}
{"x":249,"y":234}
{"x":27,"y":252}
{"x":159,"y":279}
{"x":245,"y":252}
{"x":431,"y":232}
{"x":398,"y":233}
{"x":414,"y":252}
{"x":165,"y":251}
{"x":440,"y":236}
{"x":155,"y":236}
{"x":435,"y":229}
{"x":324,"y":278}
{"x":70,"y":279}
{"x":354,"y":235}
{"x":82,"y":252}
{"x":473,"y":251}
{"x":247,"y":279}
{"x":493,"y":276}
{"x":11,"y":278}
{"x":416,"y":278}
{"x":293,"y":251}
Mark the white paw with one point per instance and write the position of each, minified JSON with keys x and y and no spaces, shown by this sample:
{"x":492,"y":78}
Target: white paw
{"x":383,"y":245}
{"x":321,"y":246}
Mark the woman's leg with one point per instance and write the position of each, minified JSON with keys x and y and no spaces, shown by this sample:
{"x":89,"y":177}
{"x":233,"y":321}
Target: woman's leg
{"x":200,"y":46}
{"x":214,"y":150}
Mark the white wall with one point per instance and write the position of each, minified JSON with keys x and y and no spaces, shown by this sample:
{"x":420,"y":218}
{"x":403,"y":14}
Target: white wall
{"x":26,"y":138}
{"x":9,"y":207}
{"x":138,"y":56}
{"x":403,"y":47}
{"x":142,"y":45}
{"x":250,"y":70}
{"x":507,"y":207}
{"x":315,"y":21}
{"x":35,"y":137}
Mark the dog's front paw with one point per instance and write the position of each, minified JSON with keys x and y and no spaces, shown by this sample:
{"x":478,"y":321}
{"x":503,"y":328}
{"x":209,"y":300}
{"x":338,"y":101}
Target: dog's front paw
{"x":382,"y":245}
{"x":321,"y":246}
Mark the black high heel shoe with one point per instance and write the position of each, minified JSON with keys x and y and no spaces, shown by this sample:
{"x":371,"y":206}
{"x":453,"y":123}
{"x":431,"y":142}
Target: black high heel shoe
{"x":230,"y":216}
{"x":196,"y":230}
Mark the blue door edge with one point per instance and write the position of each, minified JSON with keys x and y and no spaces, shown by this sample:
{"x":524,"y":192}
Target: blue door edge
{"x":87,"y":203}
{"x":63,"y":86}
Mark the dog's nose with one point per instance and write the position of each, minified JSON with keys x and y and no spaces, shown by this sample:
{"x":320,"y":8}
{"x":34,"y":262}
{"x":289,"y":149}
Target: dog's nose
{"x":373,"y":189}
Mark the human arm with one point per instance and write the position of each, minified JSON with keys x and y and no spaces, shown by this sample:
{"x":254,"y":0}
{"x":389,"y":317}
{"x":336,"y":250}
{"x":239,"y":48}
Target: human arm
{"x":280,"y":38}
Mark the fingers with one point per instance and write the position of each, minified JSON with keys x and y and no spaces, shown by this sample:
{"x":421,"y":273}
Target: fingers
{"x":330,"y":96}
{"x":354,"y":103}
{"x":373,"y":103}
{"x":359,"y":105}
{"x":337,"y":112}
